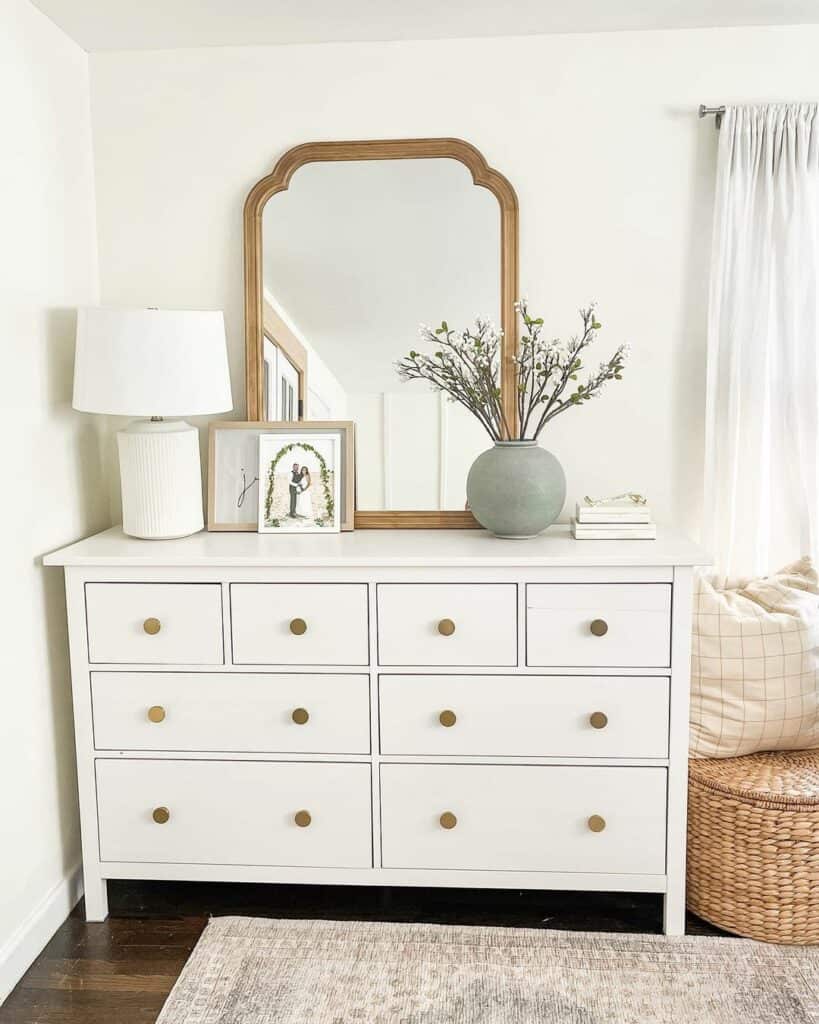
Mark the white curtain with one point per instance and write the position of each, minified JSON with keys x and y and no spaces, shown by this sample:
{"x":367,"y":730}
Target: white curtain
{"x":762,"y":422}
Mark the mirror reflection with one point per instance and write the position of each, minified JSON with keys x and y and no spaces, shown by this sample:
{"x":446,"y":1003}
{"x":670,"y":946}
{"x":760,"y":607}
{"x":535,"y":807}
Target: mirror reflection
{"x":356,"y":254}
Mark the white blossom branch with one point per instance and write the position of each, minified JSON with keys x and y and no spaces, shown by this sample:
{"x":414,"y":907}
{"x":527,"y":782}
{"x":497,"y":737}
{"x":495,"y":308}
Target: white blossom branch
{"x":465,"y":365}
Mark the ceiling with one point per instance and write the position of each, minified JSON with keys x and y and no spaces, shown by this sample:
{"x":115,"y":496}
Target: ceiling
{"x":164,"y":24}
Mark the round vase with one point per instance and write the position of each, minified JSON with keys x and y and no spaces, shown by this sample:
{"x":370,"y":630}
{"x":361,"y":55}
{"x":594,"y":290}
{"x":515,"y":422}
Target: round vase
{"x":516,"y":489}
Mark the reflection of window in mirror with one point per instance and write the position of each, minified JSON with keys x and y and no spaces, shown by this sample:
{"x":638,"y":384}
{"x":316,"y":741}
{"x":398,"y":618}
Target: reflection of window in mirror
{"x":355,"y":255}
{"x":285,"y":369}
{"x":281,"y":384}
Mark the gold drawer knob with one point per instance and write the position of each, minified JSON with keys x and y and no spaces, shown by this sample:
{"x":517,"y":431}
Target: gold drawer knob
{"x":596,"y":823}
{"x":446,"y":627}
{"x":156,"y":713}
{"x":598,"y":720}
{"x":161,"y":815}
{"x":599,"y":627}
{"x":298,"y":627}
{"x":302,"y":818}
{"x":301,"y":716}
{"x":448,"y":820}
{"x":152,"y":626}
{"x":447,"y":718}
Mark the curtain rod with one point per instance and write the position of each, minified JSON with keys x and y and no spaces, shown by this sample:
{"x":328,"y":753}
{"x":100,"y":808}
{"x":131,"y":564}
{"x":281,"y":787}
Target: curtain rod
{"x":718,"y":113}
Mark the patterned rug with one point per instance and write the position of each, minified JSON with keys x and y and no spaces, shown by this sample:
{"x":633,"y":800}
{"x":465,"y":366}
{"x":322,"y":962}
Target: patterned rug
{"x":256,"y":971}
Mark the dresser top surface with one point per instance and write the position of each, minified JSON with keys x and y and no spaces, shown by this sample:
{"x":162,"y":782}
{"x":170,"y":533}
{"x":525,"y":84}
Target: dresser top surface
{"x":364,"y":548}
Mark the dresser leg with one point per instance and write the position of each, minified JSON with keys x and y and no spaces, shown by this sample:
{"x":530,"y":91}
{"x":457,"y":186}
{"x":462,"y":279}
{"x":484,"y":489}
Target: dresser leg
{"x":96,"y":898}
{"x":674,"y":913}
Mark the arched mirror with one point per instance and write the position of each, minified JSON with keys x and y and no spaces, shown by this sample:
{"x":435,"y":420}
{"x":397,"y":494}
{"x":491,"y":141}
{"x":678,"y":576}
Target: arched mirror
{"x":349,"y":246}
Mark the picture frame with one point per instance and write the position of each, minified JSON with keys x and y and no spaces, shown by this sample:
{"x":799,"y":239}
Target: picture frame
{"x":233,"y":465}
{"x":299,"y":483}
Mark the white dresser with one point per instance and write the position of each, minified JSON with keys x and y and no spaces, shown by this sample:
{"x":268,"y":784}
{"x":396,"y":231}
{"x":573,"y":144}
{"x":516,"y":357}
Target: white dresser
{"x":383,"y":707}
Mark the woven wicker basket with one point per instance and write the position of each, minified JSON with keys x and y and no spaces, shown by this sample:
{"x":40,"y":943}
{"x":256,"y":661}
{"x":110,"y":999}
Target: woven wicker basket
{"x":753,"y":845}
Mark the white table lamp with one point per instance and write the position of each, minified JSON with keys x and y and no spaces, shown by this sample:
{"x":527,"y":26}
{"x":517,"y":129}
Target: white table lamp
{"x":154,"y":363}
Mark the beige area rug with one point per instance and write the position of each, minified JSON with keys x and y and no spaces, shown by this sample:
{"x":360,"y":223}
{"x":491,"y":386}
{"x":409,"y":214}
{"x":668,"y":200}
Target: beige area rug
{"x":255,"y":971}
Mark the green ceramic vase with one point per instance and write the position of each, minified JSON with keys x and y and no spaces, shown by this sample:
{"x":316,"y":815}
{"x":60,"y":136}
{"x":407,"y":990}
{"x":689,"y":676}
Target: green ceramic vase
{"x":516,"y":489}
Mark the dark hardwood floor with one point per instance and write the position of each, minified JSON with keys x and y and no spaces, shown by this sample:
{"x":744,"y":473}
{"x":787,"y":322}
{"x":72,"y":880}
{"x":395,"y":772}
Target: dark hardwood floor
{"x":120,"y":971}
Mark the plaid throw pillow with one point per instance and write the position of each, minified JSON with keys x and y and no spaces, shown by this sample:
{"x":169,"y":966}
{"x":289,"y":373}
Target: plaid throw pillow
{"x":755,"y":664}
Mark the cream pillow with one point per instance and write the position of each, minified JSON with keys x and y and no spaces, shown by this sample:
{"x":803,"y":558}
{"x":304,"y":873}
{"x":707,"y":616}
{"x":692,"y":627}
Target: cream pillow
{"x":754,"y":663}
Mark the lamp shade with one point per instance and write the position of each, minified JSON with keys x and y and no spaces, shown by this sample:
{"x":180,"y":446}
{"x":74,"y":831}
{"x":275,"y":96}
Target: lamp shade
{"x":151,"y":362}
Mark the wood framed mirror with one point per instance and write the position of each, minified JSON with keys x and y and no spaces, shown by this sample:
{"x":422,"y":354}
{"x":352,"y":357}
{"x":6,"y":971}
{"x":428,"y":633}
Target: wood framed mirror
{"x":370,"y":239}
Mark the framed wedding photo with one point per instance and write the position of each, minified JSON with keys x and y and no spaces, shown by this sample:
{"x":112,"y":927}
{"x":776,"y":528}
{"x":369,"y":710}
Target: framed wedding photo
{"x":233,"y":469}
{"x":299,"y":483}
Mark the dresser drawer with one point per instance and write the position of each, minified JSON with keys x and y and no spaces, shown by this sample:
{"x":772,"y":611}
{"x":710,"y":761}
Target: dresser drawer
{"x":285,"y":714}
{"x":524,"y":716}
{"x":154,"y":623}
{"x":235,"y":812}
{"x":588,"y":624}
{"x":523,"y":818}
{"x":299,"y":623}
{"x":447,"y":624}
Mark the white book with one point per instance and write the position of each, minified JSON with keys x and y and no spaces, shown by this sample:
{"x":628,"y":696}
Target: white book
{"x":616,"y":512}
{"x":613,"y":531}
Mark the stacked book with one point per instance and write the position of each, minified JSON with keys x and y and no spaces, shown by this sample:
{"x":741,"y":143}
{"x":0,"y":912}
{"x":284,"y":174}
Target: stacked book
{"x":614,"y":520}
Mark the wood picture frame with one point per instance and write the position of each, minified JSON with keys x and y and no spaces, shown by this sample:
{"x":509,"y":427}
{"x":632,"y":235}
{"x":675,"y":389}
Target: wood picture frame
{"x":344,"y":428}
{"x":387,"y":149}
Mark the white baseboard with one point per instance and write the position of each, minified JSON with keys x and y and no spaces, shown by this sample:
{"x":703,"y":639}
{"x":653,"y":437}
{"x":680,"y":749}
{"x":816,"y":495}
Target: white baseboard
{"x":30,"y":938}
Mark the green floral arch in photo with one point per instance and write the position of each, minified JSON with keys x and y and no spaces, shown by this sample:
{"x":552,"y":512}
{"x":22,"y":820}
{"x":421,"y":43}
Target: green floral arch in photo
{"x":324,"y":473}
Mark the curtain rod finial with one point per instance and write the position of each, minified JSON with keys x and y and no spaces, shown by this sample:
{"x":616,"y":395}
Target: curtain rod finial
{"x":718,"y":112}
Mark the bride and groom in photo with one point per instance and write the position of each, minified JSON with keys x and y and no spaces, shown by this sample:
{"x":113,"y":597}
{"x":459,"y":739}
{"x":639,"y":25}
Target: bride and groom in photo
{"x":299,"y":496}
{"x":301,"y":501}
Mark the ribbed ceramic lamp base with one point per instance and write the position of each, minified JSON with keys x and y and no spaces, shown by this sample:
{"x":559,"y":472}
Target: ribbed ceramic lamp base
{"x":161,"y":479}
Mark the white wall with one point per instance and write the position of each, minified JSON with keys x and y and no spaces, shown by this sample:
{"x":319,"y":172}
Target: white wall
{"x":52,"y":491}
{"x":597,"y":133}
